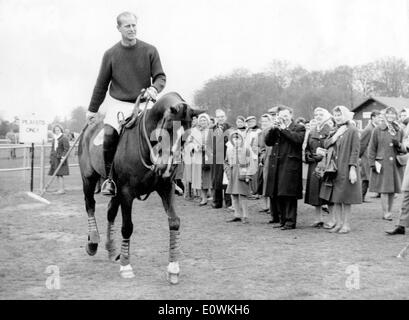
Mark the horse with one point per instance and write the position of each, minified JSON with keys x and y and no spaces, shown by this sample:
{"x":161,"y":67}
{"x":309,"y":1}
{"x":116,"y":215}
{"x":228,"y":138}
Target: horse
{"x":138,"y":172}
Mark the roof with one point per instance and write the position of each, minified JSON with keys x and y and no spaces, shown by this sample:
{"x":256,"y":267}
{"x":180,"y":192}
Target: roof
{"x":397,"y":103}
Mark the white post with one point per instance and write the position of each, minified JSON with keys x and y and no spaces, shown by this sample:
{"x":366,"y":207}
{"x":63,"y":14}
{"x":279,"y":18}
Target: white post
{"x":42,"y":166}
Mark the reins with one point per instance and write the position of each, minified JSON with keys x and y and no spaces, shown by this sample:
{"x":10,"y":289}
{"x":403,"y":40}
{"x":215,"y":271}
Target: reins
{"x":151,"y":167}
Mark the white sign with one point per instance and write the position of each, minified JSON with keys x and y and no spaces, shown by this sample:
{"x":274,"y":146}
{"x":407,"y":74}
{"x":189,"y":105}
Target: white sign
{"x":366,"y":115}
{"x":33,"y":129}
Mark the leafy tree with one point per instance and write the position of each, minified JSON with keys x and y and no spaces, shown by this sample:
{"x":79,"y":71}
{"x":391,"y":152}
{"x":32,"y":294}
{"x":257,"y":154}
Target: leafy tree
{"x":77,"y":120}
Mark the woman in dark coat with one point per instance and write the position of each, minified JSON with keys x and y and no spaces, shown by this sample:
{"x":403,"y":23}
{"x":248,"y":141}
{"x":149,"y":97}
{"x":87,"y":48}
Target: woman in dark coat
{"x":386,"y":173}
{"x":347,"y":189}
{"x":316,"y":138}
{"x":59,"y":149}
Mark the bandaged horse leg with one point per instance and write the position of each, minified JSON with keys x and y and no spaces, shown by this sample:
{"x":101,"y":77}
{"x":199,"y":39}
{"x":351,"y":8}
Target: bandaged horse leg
{"x":110,"y":241}
{"x":174,"y":250}
{"x":125,"y":269}
{"x":167,"y":194}
{"x":93,"y":234}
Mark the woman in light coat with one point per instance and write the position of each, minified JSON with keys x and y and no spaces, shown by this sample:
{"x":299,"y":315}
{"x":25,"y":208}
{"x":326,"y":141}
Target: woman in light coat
{"x":346,"y":189}
{"x":200,"y":144}
{"x":240,"y":167}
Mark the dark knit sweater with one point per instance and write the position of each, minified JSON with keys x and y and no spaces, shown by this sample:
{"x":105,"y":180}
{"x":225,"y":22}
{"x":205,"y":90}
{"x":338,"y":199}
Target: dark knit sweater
{"x":127,"y":70}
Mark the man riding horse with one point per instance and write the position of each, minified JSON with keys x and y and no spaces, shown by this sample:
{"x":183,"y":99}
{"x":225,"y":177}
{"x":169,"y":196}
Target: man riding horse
{"x":128,"y":68}
{"x":144,"y":160}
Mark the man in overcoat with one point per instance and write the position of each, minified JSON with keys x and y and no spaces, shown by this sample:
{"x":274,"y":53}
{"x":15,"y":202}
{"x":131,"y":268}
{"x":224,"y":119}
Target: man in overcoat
{"x":220,"y":137}
{"x":285,"y":167}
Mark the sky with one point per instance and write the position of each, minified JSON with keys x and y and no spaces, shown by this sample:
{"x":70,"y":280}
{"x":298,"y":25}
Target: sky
{"x":52,"y":49}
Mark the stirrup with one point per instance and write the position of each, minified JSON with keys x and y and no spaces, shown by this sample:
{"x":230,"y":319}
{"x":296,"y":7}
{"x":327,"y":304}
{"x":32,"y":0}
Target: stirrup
{"x":110,"y":192}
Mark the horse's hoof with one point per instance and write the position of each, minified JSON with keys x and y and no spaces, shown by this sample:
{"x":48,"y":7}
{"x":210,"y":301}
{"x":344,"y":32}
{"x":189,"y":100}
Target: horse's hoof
{"x":126,"y":272}
{"x":91,"y":248}
{"x":173,"y":278}
{"x":173,"y":272}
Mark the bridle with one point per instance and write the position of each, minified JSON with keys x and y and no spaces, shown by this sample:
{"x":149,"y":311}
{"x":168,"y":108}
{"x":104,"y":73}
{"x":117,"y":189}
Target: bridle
{"x":151,"y":167}
{"x":154,"y":165}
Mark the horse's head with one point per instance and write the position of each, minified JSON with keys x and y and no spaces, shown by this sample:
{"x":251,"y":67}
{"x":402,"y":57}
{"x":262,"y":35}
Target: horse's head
{"x":182,"y":113}
{"x":176,"y":118}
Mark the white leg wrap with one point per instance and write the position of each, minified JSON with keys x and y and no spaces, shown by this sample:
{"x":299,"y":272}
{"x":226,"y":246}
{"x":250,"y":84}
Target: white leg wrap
{"x":126,"y":271}
{"x":173,"y":267}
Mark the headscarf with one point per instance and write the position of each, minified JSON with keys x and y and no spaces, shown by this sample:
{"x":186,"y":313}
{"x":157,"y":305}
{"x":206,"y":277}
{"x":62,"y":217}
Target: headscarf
{"x":206,"y":116}
{"x":57,"y":136}
{"x":236,"y":154}
{"x":347,"y":115}
{"x":326,"y":116}
{"x":241,"y":118}
{"x":392,"y":126}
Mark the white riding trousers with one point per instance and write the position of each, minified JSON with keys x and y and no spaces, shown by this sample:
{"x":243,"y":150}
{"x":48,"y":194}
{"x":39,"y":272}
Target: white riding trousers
{"x":116,"y":110}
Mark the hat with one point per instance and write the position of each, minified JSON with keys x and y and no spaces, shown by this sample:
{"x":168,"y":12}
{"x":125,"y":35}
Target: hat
{"x":241,"y":118}
{"x":204,"y":115}
{"x":251,"y":118}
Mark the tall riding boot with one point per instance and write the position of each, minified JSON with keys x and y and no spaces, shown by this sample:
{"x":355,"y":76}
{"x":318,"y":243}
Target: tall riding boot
{"x":111,"y":138}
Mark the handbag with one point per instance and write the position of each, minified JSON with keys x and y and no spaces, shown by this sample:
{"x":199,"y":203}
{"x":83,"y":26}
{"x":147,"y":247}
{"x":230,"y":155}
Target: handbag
{"x":327,"y":166}
{"x":331,"y":166}
{"x":326,"y":190}
{"x":402,"y":159}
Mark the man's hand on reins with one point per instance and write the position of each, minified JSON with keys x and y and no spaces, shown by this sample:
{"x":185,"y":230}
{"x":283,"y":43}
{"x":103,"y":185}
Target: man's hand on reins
{"x":150,"y":93}
{"x":91,"y":117}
